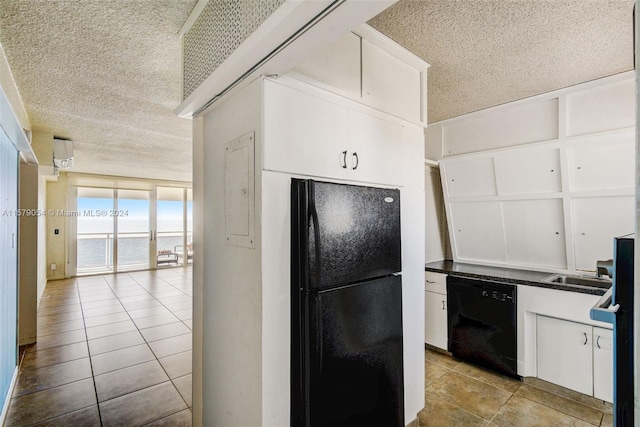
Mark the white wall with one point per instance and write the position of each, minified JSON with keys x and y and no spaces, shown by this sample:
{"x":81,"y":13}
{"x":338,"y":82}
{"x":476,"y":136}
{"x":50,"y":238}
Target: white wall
{"x":573,"y":148}
{"x":28,"y":255}
{"x":232,"y":342}
{"x":56,"y":243}
{"x":603,"y":105}
{"x":42,"y":234}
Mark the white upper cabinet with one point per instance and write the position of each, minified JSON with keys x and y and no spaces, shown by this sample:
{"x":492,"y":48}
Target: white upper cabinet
{"x":528,"y":171}
{"x":596,"y":221}
{"x":390,"y":84}
{"x":534,"y":232}
{"x":477,"y":231}
{"x":311,"y":135}
{"x":303,"y":133}
{"x":338,"y":66}
{"x":375,"y":149}
{"x":372,"y":69}
{"x":470,"y":177}
{"x":605,"y":164}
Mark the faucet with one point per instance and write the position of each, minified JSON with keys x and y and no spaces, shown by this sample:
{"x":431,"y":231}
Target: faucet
{"x":604,"y":268}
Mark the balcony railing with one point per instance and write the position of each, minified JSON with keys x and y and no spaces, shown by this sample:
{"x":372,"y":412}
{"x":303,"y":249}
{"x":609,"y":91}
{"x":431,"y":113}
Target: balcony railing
{"x":95,"y":250}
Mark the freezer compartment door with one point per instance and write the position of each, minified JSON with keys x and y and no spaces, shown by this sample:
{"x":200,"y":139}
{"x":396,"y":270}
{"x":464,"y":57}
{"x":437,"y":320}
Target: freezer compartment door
{"x":354,"y":233}
{"x":356,"y":357}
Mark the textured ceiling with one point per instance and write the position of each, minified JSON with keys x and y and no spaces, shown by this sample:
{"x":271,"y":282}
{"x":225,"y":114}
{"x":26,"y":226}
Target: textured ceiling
{"x":488,"y":52}
{"x":106,"y":74}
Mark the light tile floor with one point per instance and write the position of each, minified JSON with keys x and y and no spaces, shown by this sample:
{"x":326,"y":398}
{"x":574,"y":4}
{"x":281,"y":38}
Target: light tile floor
{"x":112,"y":350}
{"x":115,"y":350}
{"x":462,"y":395}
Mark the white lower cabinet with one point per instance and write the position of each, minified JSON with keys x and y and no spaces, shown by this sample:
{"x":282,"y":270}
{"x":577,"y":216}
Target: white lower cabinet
{"x":575,"y":356}
{"x":603,"y":364}
{"x":435,"y":321}
{"x":435,"y":310}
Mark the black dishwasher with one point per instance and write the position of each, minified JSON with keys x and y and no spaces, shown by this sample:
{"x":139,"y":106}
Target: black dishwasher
{"x":482,"y":323}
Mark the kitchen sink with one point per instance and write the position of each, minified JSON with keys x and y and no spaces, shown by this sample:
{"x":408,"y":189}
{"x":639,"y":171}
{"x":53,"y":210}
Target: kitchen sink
{"x":591,"y":282}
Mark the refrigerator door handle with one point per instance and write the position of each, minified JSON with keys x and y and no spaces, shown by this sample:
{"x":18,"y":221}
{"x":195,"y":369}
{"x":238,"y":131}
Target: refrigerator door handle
{"x":316,"y":231}
{"x":400,"y":274}
{"x":603,"y":310}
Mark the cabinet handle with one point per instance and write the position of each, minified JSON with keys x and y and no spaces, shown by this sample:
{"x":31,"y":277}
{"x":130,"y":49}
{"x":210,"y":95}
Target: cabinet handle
{"x":344,"y":160}
{"x":443,"y":307}
{"x":429,"y":281}
{"x":585,"y":339}
{"x":357,"y":161}
{"x":598,"y":342}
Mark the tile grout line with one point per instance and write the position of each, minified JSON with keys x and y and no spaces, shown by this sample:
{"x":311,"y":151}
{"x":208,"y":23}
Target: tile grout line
{"x":149,"y":346}
{"x":93,"y":377}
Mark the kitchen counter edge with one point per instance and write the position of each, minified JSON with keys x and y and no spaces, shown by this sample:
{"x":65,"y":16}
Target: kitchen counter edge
{"x":506,"y":275}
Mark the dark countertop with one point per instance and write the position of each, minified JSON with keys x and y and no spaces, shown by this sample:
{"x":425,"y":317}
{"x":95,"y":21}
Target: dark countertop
{"x":506,"y":275}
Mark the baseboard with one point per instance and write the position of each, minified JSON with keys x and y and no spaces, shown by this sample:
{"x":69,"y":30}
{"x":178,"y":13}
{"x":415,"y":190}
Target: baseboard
{"x":414,"y":423}
{"x":5,"y":406}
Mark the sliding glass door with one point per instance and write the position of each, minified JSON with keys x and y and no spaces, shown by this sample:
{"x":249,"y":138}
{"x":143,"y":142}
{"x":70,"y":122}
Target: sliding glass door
{"x":132,"y":218}
{"x":125,"y":230}
{"x":170,"y":229}
{"x":95,"y":237}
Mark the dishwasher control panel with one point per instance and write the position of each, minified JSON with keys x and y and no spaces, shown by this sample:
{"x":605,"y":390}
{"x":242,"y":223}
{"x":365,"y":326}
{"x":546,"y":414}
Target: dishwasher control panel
{"x":497,"y":295}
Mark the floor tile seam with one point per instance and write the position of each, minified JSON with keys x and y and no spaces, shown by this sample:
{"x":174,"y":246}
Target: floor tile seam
{"x":565,"y":397}
{"x":168,"y":381}
{"x":55,"y":323}
{"x":440,"y":364}
{"x":60,"y":345}
{"x":178,"y":390}
{"x":560,"y":410}
{"x":53,"y":386}
{"x":487,"y":383}
{"x":58,"y":363}
{"x":466,"y":410}
{"x":55,"y":333}
{"x":63,"y":414}
{"x":167,"y":416}
{"x":130,"y":366}
{"x":93,"y":377}
{"x":172,"y":354}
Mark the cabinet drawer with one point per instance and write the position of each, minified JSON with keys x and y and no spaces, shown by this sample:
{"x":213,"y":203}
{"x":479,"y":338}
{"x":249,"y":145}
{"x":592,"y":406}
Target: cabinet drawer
{"x":435,"y":282}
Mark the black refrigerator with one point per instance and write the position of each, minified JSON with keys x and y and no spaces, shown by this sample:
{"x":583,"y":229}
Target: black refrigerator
{"x":346,"y":306}
{"x":617,"y":307}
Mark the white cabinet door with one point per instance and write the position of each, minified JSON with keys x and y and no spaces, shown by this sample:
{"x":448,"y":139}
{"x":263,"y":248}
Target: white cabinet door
{"x":302,"y":133}
{"x":604,"y":165}
{"x":596,"y":221}
{"x":528,"y":171}
{"x":375,"y":149}
{"x":390,"y":84}
{"x":603,"y":364}
{"x":565,"y":354}
{"x":337,"y":66}
{"x":470,"y":177}
{"x":477,"y":231}
{"x":435,"y":282}
{"x":534,"y":232}
{"x":435,"y":322}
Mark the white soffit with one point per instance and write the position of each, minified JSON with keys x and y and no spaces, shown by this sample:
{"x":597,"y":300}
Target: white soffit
{"x":287,"y":38}
{"x":486,"y":53}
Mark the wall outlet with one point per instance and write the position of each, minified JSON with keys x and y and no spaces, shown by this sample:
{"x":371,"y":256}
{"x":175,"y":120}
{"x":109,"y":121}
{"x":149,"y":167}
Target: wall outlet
{"x":53,"y":266}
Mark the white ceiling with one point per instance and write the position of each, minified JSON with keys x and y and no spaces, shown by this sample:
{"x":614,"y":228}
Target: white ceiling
{"x":106,"y":73}
{"x":488,"y":52}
